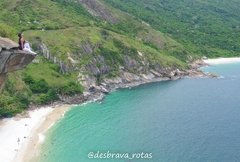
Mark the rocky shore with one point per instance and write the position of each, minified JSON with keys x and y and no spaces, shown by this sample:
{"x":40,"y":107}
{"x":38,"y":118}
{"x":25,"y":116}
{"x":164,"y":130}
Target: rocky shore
{"x":129,"y":75}
{"x":34,"y":123}
{"x":126,"y":80}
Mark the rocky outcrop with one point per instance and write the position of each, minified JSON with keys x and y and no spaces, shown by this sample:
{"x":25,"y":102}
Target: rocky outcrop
{"x":96,"y":75}
{"x":64,"y":67}
{"x":12,"y":59}
{"x":97,"y":9}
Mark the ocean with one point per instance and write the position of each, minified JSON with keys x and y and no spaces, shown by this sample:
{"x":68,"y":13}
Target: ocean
{"x":187,"y":120}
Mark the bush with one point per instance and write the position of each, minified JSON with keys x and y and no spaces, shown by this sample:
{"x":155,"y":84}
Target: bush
{"x":43,"y":93}
{"x":71,"y":88}
{"x":36,"y":86}
{"x":7,"y":31}
{"x":40,"y":86}
{"x":47,"y":98}
{"x":52,"y":95}
{"x":23,"y":99}
{"x":113,"y":58}
{"x":131,"y":51}
{"x":10,"y":106}
{"x":28,"y":79}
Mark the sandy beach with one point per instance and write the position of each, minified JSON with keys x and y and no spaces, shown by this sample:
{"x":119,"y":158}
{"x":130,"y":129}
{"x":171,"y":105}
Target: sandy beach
{"x":222,"y":60}
{"x":21,"y":136}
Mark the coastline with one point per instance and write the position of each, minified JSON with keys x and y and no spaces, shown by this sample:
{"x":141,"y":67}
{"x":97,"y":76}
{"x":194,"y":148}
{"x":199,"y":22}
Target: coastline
{"x":22,"y":135}
{"x":33,"y":124}
{"x":217,"y":61}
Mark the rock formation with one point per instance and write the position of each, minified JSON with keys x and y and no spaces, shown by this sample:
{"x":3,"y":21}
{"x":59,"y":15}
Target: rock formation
{"x":11,"y":58}
{"x":96,"y":8}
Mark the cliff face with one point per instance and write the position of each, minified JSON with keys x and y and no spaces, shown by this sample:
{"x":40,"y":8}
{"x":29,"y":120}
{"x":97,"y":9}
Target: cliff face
{"x":11,"y":59}
{"x":98,"y":9}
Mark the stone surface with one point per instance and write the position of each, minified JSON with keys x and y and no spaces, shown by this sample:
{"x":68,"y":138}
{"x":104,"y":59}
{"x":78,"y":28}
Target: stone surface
{"x":12,"y":59}
{"x":6,"y":44}
{"x":64,"y":67}
{"x":96,"y":8}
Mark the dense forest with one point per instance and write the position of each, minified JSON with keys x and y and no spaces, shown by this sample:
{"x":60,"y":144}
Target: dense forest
{"x":210,"y":28}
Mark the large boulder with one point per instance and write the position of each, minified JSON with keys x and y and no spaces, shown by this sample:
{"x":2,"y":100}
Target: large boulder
{"x":11,"y":58}
{"x":7,"y":44}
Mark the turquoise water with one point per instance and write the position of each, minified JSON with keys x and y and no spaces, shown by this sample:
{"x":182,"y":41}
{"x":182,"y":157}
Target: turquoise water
{"x":188,"y":120}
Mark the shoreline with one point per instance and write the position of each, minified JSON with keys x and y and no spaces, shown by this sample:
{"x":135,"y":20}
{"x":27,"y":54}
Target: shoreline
{"x":22,"y":135}
{"x":32,"y":125}
{"x":217,"y":61}
{"x":35,"y":122}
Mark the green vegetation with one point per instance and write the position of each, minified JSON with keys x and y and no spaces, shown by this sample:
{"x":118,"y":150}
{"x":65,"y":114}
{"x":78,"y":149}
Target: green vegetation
{"x":7,"y":31}
{"x":166,"y":33}
{"x":34,"y":86}
{"x":14,"y":98}
{"x":204,"y":27}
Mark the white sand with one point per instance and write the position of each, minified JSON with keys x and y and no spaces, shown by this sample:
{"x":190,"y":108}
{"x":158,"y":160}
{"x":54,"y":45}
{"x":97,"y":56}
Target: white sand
{"x":20,"y":135}
{"x":222,"y":61}
{"x":16,"y":128}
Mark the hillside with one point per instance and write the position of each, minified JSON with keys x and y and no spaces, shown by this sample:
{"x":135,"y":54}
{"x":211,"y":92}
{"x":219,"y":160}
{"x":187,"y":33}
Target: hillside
{"x":97,"y":43}
{"x":210,"y":28}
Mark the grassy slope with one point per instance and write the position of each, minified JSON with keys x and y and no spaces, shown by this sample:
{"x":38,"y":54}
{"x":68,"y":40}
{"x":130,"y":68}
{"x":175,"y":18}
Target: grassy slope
{"x":24,"y":15}
{"x":52,"y":15}
{"x":69,"y":40}
{"x":65,"y":26}
{"x":204,"y":27}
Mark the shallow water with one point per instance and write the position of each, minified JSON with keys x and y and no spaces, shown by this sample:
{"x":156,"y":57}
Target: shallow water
{"x":188,"y":120}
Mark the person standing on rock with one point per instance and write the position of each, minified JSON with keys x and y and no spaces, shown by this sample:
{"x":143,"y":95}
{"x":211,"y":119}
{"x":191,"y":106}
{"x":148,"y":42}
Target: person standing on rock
{"x":21,"y":41}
